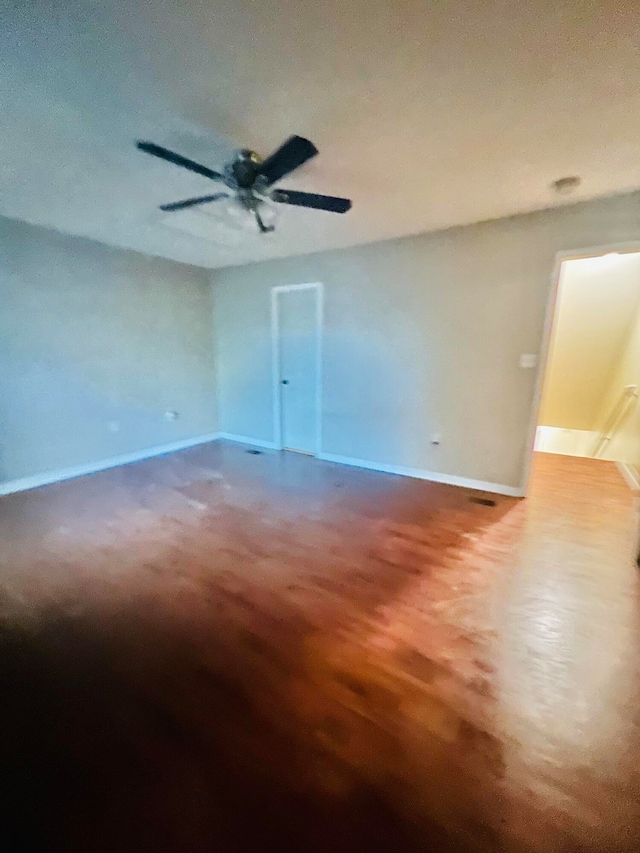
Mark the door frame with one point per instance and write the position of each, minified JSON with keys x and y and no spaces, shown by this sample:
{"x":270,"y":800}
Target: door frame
{"x":624,"y":248}
{"x":276,"y":360}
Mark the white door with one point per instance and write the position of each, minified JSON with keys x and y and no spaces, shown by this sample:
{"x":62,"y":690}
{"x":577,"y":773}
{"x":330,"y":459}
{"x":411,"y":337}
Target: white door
{"x":297,"y":313}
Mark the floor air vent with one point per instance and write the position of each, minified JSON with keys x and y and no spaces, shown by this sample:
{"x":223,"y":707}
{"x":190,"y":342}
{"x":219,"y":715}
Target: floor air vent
{"x":483,"y":501}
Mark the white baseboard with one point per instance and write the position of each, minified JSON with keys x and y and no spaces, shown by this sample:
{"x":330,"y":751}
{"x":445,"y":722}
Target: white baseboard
{"x":25,"y":483}
{"x":245,"y":439}
{"x":630,"y":474}
{"x":34,"y":481}
{"x":566,"y":442}
{"x":421,"y":474}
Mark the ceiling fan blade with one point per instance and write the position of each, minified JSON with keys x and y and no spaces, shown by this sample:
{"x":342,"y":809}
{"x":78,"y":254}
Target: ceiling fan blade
{"x":179,"y":205}
{"x":291,"y":154}
{"x":178,"y":160}
{"x":319,"y":202}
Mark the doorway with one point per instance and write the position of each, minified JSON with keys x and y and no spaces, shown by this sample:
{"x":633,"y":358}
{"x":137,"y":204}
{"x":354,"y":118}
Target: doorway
{"x":296,"y":331}
{"x":589,"y":388}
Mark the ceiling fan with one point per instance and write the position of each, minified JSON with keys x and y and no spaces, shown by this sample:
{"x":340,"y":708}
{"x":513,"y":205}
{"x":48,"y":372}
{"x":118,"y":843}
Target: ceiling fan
{"x":249,"y":181}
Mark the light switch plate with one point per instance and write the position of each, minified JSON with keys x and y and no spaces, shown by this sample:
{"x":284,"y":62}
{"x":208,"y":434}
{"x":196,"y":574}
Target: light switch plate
{"x":528,"y":360}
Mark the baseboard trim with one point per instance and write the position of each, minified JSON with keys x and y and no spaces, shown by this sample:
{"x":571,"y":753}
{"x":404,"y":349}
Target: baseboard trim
{"x":422,"y":474}
{"x":245,"y":439}
{"x":36,"y":480}
{"x":565,"y":442}
{"x":630,"y":474}
{"x":10,"y":487}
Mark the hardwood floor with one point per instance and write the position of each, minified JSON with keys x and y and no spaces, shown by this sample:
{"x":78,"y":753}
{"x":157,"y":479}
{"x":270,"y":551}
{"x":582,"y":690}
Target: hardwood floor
{"x":216,"y":650}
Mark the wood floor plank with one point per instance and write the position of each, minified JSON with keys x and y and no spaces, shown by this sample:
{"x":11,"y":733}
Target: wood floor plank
{"x":215,"y":650}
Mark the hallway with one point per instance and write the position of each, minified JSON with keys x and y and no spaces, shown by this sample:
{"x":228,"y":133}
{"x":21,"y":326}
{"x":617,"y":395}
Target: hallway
{"x":219,"y":650}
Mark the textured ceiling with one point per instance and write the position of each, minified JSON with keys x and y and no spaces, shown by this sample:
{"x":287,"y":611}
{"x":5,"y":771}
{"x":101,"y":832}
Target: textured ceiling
{"x":427,"y":114}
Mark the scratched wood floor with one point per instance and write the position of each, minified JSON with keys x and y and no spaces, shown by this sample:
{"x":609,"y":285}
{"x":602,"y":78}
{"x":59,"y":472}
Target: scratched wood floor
{"x":216,"y":650}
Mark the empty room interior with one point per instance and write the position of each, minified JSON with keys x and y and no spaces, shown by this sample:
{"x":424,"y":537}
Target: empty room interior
{"x":320,"y":426}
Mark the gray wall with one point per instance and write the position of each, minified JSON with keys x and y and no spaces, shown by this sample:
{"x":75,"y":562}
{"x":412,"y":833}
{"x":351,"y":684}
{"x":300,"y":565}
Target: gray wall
{"x":92,"y":340}
{"x":421,"y":335}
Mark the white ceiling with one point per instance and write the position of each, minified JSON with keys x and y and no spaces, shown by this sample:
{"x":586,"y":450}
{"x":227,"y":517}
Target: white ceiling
{"x":427,"y":113}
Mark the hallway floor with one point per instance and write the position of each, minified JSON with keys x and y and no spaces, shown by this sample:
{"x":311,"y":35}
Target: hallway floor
{"x":218,"y":650}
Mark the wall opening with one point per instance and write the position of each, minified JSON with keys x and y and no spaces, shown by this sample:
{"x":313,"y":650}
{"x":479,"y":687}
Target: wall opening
{"x":589,"y":402}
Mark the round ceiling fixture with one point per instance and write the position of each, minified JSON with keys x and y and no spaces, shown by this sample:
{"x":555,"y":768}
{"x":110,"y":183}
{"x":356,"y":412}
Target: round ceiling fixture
{"x":565,"y":186}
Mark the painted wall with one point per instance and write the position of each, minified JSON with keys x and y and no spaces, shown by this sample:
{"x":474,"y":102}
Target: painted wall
{"x":95,"y":345}
{"x":421,"y":335}
{"x":598,"y":300}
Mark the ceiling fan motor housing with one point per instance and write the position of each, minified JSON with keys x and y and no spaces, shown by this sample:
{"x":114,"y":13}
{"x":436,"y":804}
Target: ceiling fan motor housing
{"x":245,"y":168}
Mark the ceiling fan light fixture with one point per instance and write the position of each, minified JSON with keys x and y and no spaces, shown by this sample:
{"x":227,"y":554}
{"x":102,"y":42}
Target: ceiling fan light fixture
{"x":239,"y":215}
{"x":269,"y":213}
